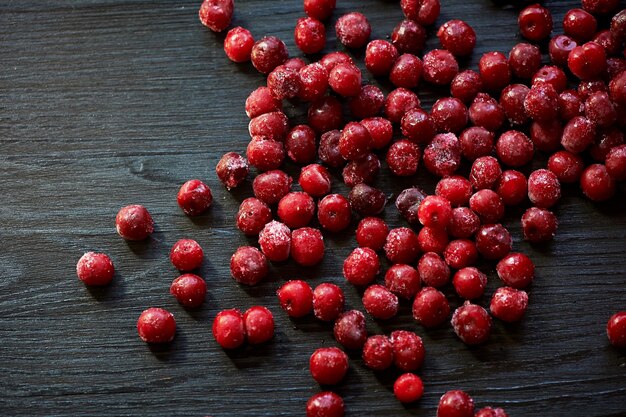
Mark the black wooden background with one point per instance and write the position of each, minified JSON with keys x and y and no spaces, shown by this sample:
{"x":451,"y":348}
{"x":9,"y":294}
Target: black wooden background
{"x":105,"y":103}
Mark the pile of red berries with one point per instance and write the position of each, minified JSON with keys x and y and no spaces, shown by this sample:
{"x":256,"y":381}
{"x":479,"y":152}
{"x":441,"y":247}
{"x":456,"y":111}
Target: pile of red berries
{"x":496,"y":118}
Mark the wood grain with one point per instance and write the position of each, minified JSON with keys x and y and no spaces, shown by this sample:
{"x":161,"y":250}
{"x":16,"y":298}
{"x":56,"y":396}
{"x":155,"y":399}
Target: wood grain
{"x":105,"y":103}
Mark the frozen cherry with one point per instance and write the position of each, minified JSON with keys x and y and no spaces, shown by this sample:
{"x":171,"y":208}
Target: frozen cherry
{"x":399,"y":102}
{"x":361,"y":266}
{"x":512,"y":102}
{"x":328,"y":366}
{"x":471,"y":323}
{"x":560,"y":46}
{"x":271,"y":186}
{"x":596,"y":183}
{"x":310,"y":35}
{"x":486,"y":112}
{"x":134,"y":222}
{"x":328,"y":150}
{"x":435,"y":211}
{"x":449,"y":115}
{"x":296,"y":209}
{"x":259,"y":324}
{"x":334,"y":212}
{"x":535,"y":22}
{"x":408,"y":388}
{"x":232,"y":169}
{"x":424,"y":12}
{"x":353,"y":30}
{"x":401,"y":245}
{"x":268,"y":53}
{"x":409,"y":37}
{"x":156,"y":325}
{"x":456,"y":189}
{"x":284,"y":82}
{"x":567,"y":167}
{"x":524,"y":60}
{"x":406,"y":71}
{"x":366,"y":200}
{"x":616,"y":163}
{"x":544,"y":189}
{"x":455,"y":404}
{"x":617,"y":88}
{"x":440,"y":67}
{"x":516,"y":270}
{"x":408,"y":202}
{"x":408,"y":350}
{"x":616,"y":329}
{"x":469,"y":283}
{"x":541,"y":102}
{"x":194,"y":197}
{"x":253,"y":214}
{"x":216,"y":14}
{"x":367,"y":103}
{"x":380,"y":56}
{"x":325,"y":404}
{"x":372,"y":233}
{"x":380,"y":302}
{"x":485,"y":172}
{"x":296,"y":298}
{"x":515,"y":148}
{"x":464,"y":222}
{"x":494,"y":71}
{"x":355,"y":141}
{"x":493,"y":241}
{"x":430,"y":307}
{"x":491,"y":412}
{"x":380,"y":129}
{"x":508,"y":304}
{"x":460,"y":253}
{"x":307,"y":246}
{"x":362,"y":170}
{"x":476,"y":142}
{"x":300,"y":144}
{"x":186,"y":255}
{"x":579,"y":24}
{"x":274,"y":126}
{"x":378,"y":353}
{"x":261,"y":101}
{"x":432,"y":240}
{"x":350,"y":330}
{"x":248,"y":265}
{"x":238,"y":44}
{"x":265,"y":155}
{"x":418,"y":126}
{"x":95,"y":269}
{"x":443,"y":155}
{"x":325,"y":114}
{"x":403,"y":280}
{"x":512,"y":187}
{"x":320,"y":10}
{"x":275,"y":241}
{"x":600,"y":110}
{"x":229,"y":329}
{"x":433,"y":271}
{"x":313,"y":82}
{"x":539,"y":225}
{"x":466,"y":85}
{"x":546,"y":135}
{"x":189,"y":290}
{"x":457,"y":37}
{"x":578,"y":134}
{"x":328,"y":302}
{"x":403,"y":158}
{"x":587,"y":61}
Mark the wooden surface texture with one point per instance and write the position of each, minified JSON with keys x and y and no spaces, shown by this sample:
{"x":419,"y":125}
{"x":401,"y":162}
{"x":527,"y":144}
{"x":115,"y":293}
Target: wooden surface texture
{"x":105,"y":103}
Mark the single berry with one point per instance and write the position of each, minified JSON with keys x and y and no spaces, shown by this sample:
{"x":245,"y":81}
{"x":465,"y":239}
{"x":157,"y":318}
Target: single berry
{"x":325,"y":404}
{"x":248,"y":265}
{"x":408,"y":350}
{"x":156,"y":325}
{"x":134,"y":222}
{"x":275,"y":241}
{"x":516,"y":270}
{"x":307,"y":246}
{"x":378,"y":353}
{"x":469,"y":283}
{"x":471,"y":323}
{"x":361,"y":266}
{"x":95,"y":269}
{"x":229,"y":329}
{"x":455,"y":404}
{"x":252,"y":216}
{"x":408,"y":388}
{"x":508,"y":304}
{"x":259,"y":324}
{"x":430,"y":307}
{"x":350,"y":330}
{"x":328,"y":366}
{"x":296,"y":298}
{"x":328,"y":302}
{"x":186,"y":255}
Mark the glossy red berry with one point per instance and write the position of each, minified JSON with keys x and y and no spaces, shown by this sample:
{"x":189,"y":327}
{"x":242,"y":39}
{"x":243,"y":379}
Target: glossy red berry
{"x":546,"y":135}
{"x":229,"y":329}
{"x":516,"y":270}
{"x":156,"y":325}
{"x":409,"y":37}
{"x":307,"y":246}
{"x":253,"y":214}
{"x":328,"y":366}
{"x":284,"y":82}
{"x":616,"y":163}
{"x":328,"y":150}
{"x":494,"y":71}
{"x":433,"y":271}
{"x":456,"y":189}
{"x":362,"y":170}
{"x":372,"y":233}
{"x":296,"y":298}
{"x":587,"y":61}
{"x":455,"y":404}
{"x":579,"y":133}
{"x":616,"y":329}
{"x":403,"y":280}
{"x":325,"y":404}
{"x":476,"y":142}
{"x":274,"y":126}
{"x":597,"y":184}
{"x":275,"y":241}
{"x":186,"y":255}
{"x":134,"y":222}
{"x":189,"y":290}
{"x":424,"y":12}
{"x":380,"y":129}
{"x":417,"y":126}
{"x":380,"y":56}
{"x":238,"y":44}
{"x":457,"y":37}
{"x":515,"y":148}
{"x":300,"y":144}
{"x":216,"y":14}
{"x":328,"y":302}
{"x":464,"y":222}
{"x":271,"y":186}
{"x":460,"y":253}
{"x":508,"y":304}
{"x":524,"y":60}
{"x":567,"y":167}
{"x":355,"y":141}
{"x":466,"y":85}
{"x":367,"y":103}
{"x":350,"y":330}
{"x":265,"y":155}
{"x":449,"y":115}
{"x":310,"y":35}
{"x":319,"y":9}
{"x":401,"y":245}
{"x":325,"y":114}
{"x":262,"y":101}
{"x":471,"y":323}
{"x":579,"y":24}
{"x":539,"y":225}
{"x":258,"y":324}
{"x":486,"y":112}
{"x":378,"y":353}
{"x":403,"y":158}
{"x":535,"y":22}
{"x":544,"y":189}
{"x":442,"y":156}
{"x":353,"y":30}
{"x":408,"y":350}
{"x":248,"y":265}
{"x":406,"y":71}
{"x":493,"y":241}
{"x":560,"y":46}
{"x":366,"y":200}
{"x":334,"y":212}
{"x":296,"y":209}
{"x":485,"y":173}
{"x":361,"y":266}
{"x":512,"y":187}
{"x":380,"y":302}
{"x":512,"y":102}
{"x":439,"y":67}
{"x":430,"y":307}
{"x":432,"y":240}
{"x":408,"y":388}
{"x":95,"y":269}
{"x":268,"y":53}
{"x":399,"y":102}
{"x":469,"y":283}
{"x":232,"y":169}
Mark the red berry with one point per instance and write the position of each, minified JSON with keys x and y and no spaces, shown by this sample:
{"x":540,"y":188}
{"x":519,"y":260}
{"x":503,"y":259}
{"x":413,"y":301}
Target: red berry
{"x":439,"y":67}
{"x":535,"y":22}
{"x":380,"y":302}
{"x":380,"y":129}
{"x":408,"y":37}
{"x":560,"y":46}
{"x":189,"y":290}
{"x":443,"y":155}
{"x":271,"y":186}
{"x":320,"y":10}
{"x":238,"y":44}
{"x":417,"y":126}
{"x":296,"y":298}
{"x":616,"y":163}
{"x":367,"y":103}
{"x":508,"y":304}
{"x":378,"y":353}
{"x":491,"y":412}
{"x":328,"y":366}
{"x":296,"y":209}
{"x":232,"y":169}
{"x":464,"y":222}
{"x":469,"y":283}
{"x":512,"y":187}
{"x":493,"y":241}
{"x":252,"y":216}
{"x":268,"y":53}
{"x":600,"y":6}
{"x":156,"y":325}
{"x":328,"y":302}
{"x":313,"y":82}
{"x":600,"y":110}
{"x":406,"y":71}
{"x":194,"y":197}
{"x":300,"y":144}
{"x":265,"y":155}
{"x":435,"y":211}
{"x":579,"y":24}
{"x":408,"y":350}
{"x":403,"y":158}
{"x":248,"y":265}
{"x":488,"y":205}
{"x":476,"y":142}
{"x":408,"y":388}
{"x":456,"y":189}
{"x":460,"y":253}
{"x":229,"y":329}
{"x":449,"y":115}
{"x":403,"y":280}
{"x":216,"y":14}
{"x":134,"y":222}
{"x":512,"y":102}
{"x":587,"y":61}
{"x":350,"y":330}
{"x":516,"y":270}
{"x":95,"y":269}
{"x":186,"y":255}
{"x":259,"y":324}
{"x":494,"y":71}
{"x":362,"y":170}
{"x":541,"y":102}
{"x":485,"y":173}
{"x":597,"y":184}
{"x":607,"y":140}
{"x":408,"y":202}
{"x":366,"y":200}
{"x":334,"y":213}
{"x":261,"y":101}
{"x":380,"y":56}
{"x":617,"y":88}
{"x":401,"y":245}
{"x":361,"y":266}
{"x":353,"y":30}
{"x":486,"y":112}
{"x":328,"y":150}
{"x":355,"y":141}
{"x":457,"y":37}
{"x":539,"y":225}
{"x":567,"y":167}
{"x":524,"y":60}
{"x":430,"y":307}
{"x":466,"y":85}
{"x":471,"y":323}
{"x":310,"y":35}
{"x":325,"y":114}
{"x":273,"y":126}
{"x":432,"y":240}
{"x":578,"y":134}
{"x":372,"y":233}
{"x":275,"y":241}
{"x":295,"y":63}
{"x":546,"y":135}
{"x":399,"y":102}
{"x":424,"y":12}
{"x":455,"y":404}
{"x":307,"y":246}
{"x":544,"y":189}
{"x":284,"y":82}
{"x":616,"y":329}
{"x":433,"y":271}
{"x":325,"y":404}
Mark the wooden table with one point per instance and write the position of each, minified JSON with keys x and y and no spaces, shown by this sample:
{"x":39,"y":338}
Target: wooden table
{"x":106,"y":103}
